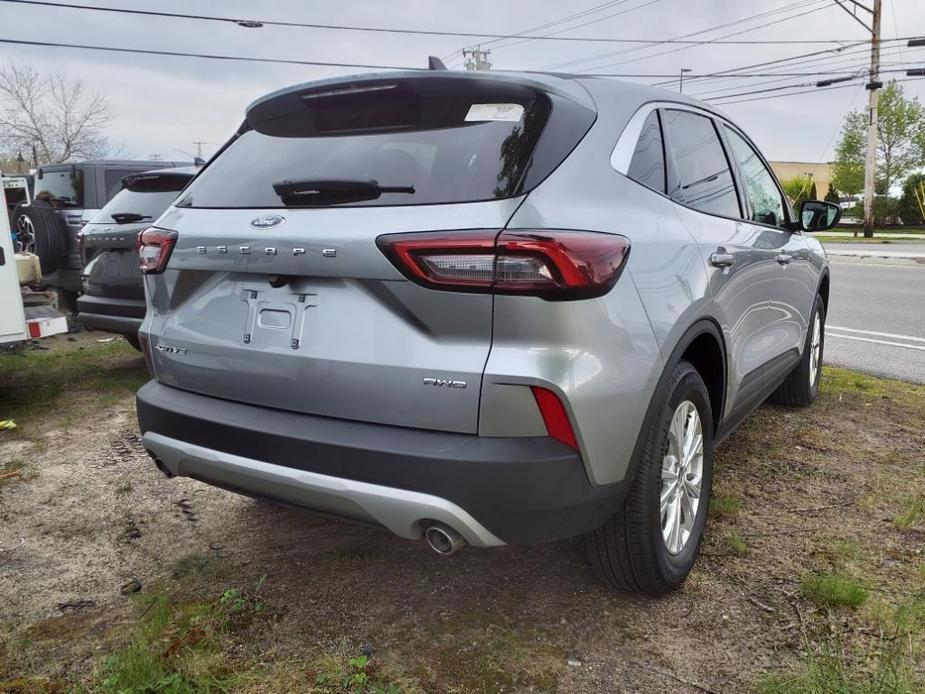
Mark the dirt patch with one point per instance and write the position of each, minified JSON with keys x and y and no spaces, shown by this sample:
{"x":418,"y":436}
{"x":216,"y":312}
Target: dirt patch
{"x":251,"y":597}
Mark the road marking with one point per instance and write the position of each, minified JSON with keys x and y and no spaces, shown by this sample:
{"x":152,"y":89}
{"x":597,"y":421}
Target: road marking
{"x":873,"y":332}
{"x":878,"y":342}
{"x":877,"y":265}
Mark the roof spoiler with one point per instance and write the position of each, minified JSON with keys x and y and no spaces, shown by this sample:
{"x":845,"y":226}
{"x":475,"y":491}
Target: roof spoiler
{"x":434,"y":63}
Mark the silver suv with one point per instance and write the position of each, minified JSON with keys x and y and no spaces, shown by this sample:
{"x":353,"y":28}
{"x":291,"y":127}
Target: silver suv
{"x":481,"y":308}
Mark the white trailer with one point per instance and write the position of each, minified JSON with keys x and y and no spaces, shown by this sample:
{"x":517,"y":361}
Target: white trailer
{"x":19,"y":321}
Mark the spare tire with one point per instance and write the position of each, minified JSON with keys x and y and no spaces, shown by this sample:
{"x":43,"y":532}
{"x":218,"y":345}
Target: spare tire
{"x":39,"y":230}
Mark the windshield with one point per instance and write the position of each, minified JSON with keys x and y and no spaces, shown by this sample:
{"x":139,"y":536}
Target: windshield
{"x":149,"y":206}
{"x":61,"y":188}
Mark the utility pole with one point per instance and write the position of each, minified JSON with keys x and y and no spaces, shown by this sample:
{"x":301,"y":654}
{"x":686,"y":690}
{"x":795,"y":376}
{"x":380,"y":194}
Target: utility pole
{"x":199,"y":144}
{"x":681,"y":82}
{"x":476,"y":59}
{"x":870,"y":161}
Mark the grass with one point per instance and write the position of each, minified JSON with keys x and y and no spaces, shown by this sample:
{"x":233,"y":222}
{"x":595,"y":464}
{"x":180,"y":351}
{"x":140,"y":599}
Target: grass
{"x":737,"y":545}
{"x":833,"y":590}
{"x":35,"y":383}
{"x":186,"y":641}
{"x":913,"y":513}
{"x":479,"y":655}
{"x":889,"y":672}
{"x":725,"y":506}
{"x":860,"y":239}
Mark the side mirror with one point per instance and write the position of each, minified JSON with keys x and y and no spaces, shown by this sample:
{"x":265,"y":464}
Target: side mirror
{"x":817,"y":215}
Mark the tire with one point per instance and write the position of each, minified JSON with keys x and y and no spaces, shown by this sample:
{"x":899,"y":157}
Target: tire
{"x":133,"y":341}
{"x":801,"y":387}
{"x":39,"y":230}
{"x":630,"y":552}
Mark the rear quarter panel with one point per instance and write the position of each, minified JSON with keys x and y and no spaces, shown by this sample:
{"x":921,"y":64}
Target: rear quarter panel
{"x":603,"y":355}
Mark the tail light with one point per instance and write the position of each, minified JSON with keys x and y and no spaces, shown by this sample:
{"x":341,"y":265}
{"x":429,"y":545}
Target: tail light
{"x":154,"y":247}
{"x":552,"y":264}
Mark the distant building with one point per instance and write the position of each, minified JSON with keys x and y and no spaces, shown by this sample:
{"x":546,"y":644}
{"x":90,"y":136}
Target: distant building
{"x":820,"y":173}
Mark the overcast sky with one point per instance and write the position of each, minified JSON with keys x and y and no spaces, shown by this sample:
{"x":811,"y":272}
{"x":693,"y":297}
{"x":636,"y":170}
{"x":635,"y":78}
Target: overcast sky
{"x":163,"y":104}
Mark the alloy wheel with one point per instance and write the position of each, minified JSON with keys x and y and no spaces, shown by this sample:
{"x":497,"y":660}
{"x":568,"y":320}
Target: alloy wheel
{"x":682,"y":477}
{"x":815,"y":348}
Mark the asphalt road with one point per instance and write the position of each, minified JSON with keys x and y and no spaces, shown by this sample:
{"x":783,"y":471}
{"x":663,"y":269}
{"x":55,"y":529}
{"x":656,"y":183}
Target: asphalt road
{"x":876,"y":320}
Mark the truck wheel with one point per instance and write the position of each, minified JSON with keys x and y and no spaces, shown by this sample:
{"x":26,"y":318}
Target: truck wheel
{"x":651,"y":543}
{"x":38,"y":230}
{"x":801,"y":387}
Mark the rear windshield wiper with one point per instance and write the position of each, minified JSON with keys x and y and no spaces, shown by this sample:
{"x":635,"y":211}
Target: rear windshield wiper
{"x":325,"y":191}
{"x":128,"y":217}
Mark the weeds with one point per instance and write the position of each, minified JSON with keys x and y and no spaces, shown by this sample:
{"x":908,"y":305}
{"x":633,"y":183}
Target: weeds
{"x":725,"y":507}
{"x":833,"y":590}
{"x":737,"y":545}
{"x":913,"y":513}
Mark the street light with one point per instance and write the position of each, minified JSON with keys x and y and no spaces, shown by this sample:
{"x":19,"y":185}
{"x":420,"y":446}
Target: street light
{"x":916,"y":43}
{"x":681,"y":82}
{"x":917,"y":72}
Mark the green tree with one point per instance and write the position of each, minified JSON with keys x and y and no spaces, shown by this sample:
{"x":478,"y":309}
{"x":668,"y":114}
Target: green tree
{"x":798,"y":189}
{"x":900,"y":144}
{"x":848,"y":167}
{"x":831,"y":194}
{"x":912,"y":203}
{"x":813,"y":194}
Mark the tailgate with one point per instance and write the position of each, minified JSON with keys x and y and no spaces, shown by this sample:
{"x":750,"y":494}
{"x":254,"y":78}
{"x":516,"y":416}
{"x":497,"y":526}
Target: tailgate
{"x":310,"y":316}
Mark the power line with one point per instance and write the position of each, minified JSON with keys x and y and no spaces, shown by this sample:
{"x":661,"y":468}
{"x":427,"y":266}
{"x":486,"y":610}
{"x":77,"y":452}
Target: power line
{"x":562,"y":20}
{"x":592,"y":21}
{"x":717,"y":40}
{"x":805,"y":59}
{"x":849,"y":65}
{"x":254,"y":23}
{"x":210,"y":56}
{"x":686,"y":39}
{"x":802,"y":91}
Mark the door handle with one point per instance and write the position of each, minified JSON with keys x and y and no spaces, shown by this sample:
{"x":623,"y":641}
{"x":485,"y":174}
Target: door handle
{"x":722,"y":259}
{"x":784,"y":259}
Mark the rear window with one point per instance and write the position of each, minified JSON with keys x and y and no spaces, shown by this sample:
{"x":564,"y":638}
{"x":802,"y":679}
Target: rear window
{"x":61,"y":188}
{"x":438,"y":140}
{"x":149,"y":206}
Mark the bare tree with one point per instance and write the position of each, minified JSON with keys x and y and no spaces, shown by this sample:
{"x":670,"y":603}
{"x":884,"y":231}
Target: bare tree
{"x":50,"y":118}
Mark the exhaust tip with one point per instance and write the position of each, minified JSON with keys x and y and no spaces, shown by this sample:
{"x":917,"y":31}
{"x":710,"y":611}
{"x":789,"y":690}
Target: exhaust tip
{"x":443,"y":539}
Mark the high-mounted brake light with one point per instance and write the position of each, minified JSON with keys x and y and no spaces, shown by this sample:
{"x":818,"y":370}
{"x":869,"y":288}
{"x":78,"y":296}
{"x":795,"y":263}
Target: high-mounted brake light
{"x":154,"y":248}
{"x":552,"y":264}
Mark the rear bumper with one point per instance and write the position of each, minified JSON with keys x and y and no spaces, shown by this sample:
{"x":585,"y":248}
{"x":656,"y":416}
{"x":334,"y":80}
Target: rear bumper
{"x":122,"y":316}
{"x":491,"y":490}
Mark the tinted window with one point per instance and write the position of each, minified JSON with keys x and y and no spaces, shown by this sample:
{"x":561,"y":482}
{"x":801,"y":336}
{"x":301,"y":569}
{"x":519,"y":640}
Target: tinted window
{"x":704,"y":179}
{"x":61,"y":188}
{"x":149,"y":205}
{"x":648,"y":163}
{"x":451,"y":140}
{"x":112,"y":178}
{"x":767,"y":205}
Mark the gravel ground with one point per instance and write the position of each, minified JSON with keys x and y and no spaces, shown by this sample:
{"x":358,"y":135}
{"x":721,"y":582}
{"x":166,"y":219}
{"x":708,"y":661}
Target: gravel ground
{"x":90,"y":518}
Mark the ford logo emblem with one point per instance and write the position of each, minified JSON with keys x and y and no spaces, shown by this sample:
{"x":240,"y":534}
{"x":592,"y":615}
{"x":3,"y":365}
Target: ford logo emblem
{"x":267,"y":221}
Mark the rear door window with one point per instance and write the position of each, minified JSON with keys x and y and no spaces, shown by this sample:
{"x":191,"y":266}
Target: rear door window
{"x":438,"y":140}
{"x":704,"y":179}
{"x":764,"y":198}
{"x":648,"y":163}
